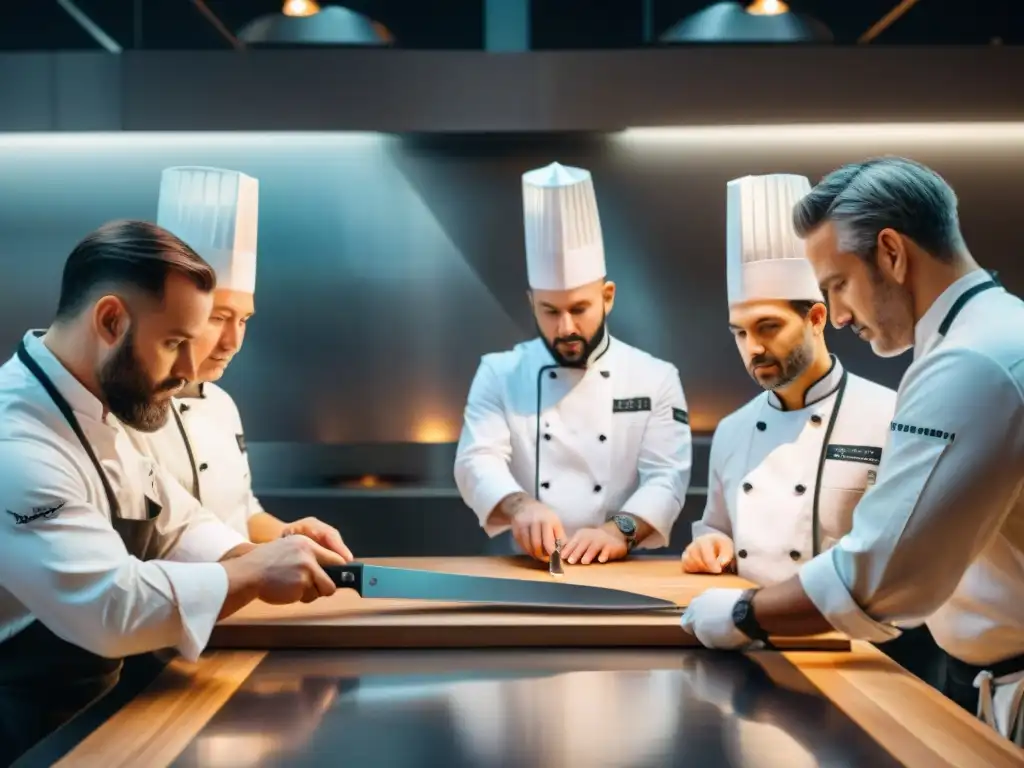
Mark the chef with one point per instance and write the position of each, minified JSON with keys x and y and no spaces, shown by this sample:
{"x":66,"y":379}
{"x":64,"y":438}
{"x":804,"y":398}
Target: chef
{"x":102,"y":555}
{"x":941,"y":534}
{"x":787,"y":468}
{"x":216,"y":212}
{"x":573,"y":436}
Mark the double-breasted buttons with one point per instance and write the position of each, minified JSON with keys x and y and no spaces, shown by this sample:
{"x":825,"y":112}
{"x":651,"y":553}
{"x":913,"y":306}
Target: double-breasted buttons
{"x":547,"y":436}
{"x":794,"y":555}
{"x":203,"y":467}
{"x":602,"y":438}
{"x":606,"y":374}
{"x":816,"y":419}
{"x":800,"y":489}
{"x":552,"y":375}
{"x":742,"y":553}
{"x":762,"y":426}
{"x":747,"y":487}
{"x":184,"y":407}
{"x":597,"y":489}
{"x":545,"y":485}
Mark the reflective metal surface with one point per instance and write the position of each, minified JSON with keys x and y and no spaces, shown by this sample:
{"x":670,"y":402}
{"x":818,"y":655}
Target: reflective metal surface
{"x":379,"y":581}
{"x":544,"y":709}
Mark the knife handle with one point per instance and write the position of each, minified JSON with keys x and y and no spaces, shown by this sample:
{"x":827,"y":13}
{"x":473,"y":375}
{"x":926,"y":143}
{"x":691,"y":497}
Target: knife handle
{"x":348,"y":576}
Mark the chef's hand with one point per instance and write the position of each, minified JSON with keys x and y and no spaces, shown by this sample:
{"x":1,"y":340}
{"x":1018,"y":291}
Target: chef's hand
{"x":709,"y":619}
{"x":588,"y":544}
{"x":710,"y":553}
{"x":282,"y":571}
{"x":323,"y":534}
{"x":535,"y":528}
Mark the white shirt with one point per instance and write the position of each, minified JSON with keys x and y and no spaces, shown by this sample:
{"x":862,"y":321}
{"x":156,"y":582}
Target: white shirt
{"x":219,"y":458}
{"x":763,"y":486}
{"x":71,"y":570}
{"x":612,"y":437}
{"x":941,"y":535}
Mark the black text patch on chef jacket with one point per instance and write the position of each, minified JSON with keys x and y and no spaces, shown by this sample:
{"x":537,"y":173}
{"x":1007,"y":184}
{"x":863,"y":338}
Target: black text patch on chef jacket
{"x":680,"y":415}
{"x":938,"y":434}
{"x":241,"y":442}
{"x":865,"y":454}
{"x":44,"y":512}
{"x":631,"y":404}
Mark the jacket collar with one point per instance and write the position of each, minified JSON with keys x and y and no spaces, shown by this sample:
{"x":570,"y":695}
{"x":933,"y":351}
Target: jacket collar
{"x":926,"y":332}
{"x":79,"y":398}
{"x":819,"y":390}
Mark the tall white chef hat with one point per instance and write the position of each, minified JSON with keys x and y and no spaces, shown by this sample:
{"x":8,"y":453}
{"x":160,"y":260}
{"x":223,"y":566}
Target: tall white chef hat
{"x":765,"y":258}
{"x":564,"y":245}
{"x":216,"y":212}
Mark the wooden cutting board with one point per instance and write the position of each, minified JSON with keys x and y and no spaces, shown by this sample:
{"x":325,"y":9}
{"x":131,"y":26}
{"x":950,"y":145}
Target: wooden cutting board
{"x":345,"y":620}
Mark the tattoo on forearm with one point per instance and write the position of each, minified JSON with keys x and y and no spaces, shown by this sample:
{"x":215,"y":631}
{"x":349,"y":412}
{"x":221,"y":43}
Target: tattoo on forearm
{"x":514,"y":503}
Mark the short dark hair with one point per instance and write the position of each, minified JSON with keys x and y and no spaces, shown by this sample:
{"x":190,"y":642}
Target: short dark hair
{"x":862,"y":199}
{"x":123,"y":254}
{"x":802,"y":306}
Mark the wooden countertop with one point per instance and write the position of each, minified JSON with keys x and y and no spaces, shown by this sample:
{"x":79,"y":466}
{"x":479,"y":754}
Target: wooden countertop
{"x":346,"y":620}
{"x":902,"y":714}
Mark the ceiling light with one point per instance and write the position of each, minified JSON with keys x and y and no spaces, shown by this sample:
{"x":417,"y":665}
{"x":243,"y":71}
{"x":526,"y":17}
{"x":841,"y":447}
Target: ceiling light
{"x":305,"y":23}
{"x":764,"y":21}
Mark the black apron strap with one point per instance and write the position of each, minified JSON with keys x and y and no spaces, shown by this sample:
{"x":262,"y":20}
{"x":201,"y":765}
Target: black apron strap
{"x":191,"y":456}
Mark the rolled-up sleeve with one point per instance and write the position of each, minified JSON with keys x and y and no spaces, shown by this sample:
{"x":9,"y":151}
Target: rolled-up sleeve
{"x":61,"y":558}
{"x":482,"y":459}
{"x":664,"y":463}
{"x":949,"y":474}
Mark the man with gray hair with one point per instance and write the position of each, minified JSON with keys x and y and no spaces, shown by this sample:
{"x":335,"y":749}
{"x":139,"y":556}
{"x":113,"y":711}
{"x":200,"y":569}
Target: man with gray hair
{"x":941,"y":535}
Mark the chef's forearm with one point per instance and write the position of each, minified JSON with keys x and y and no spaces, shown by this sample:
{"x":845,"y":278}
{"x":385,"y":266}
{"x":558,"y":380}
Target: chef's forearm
{"x":264,"y":527}
{"x":784,"y":609}
{"x":507,"y":508}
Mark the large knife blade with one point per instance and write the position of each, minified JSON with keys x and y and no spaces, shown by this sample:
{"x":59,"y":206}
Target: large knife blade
{"x":379,"y":581}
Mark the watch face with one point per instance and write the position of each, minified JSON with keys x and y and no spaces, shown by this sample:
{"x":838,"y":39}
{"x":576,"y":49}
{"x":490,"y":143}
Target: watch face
{"x":626,"y":524}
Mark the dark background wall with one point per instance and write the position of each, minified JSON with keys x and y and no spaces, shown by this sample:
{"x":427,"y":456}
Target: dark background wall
{"x":389,"y":262}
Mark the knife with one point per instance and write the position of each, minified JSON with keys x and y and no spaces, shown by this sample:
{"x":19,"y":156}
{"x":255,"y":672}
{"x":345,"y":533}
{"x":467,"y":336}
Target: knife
{"x":555,"y":563}
{"x":379,"y":581}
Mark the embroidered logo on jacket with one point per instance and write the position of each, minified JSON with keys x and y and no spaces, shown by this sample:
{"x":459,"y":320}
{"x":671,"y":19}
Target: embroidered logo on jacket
{"x":631,"y":404}
{"x":37,"y":512}
{"x":680,"y":415}
{"x":866,"y":454}
{"x":938,"y":434}
{"x":241,"y":442}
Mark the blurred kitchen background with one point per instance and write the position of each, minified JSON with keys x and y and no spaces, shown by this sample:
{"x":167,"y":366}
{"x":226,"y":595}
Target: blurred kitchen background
{"x":389,"y":138}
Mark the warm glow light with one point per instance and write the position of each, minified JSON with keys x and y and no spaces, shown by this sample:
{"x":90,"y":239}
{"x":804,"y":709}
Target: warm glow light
{"x":435,"y":430}
{"x":369,"y":481}
{"x":800,"y":134}
{"x":300,"y":8}
{"x":767,"y":8}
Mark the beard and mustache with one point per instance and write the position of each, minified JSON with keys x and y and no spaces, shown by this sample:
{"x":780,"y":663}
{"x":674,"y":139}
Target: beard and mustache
{"x":129,"y":392}
{"x":587,"y":346}
{"x":790,"y":369}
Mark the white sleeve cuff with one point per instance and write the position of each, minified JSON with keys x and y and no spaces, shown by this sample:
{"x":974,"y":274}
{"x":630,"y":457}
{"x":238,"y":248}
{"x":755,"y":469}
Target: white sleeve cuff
{"x":487,"y":496}
{"x":659,"y":508}
{"x":825,"y":588}
{"x":206,"y":542}
{"x":700,"y":528}
{"x":199,"y":590}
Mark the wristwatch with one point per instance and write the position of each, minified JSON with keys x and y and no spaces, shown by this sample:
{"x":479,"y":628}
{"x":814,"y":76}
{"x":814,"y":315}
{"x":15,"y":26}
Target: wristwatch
{"x":744,"y":619}
{"x":627,"y":525}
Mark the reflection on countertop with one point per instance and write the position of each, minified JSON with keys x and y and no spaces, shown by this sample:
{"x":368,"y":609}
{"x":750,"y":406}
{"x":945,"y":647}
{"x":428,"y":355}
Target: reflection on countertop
{"x":695,"y":708}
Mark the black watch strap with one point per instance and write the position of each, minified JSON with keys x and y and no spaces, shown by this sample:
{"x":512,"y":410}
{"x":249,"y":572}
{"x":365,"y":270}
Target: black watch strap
{"x":744,"y":619}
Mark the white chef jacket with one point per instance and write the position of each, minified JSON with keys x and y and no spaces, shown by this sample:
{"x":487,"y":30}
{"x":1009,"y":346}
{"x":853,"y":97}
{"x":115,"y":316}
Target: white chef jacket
{"x":588,"y":442}
{"x":763,"y":487}
{"x":71,"y":570}
{"x":214,"y":456}
{"x":941,"y":535}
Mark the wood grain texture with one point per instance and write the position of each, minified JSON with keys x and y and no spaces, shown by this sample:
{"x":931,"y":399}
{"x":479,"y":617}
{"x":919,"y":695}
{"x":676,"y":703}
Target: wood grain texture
{"x":346,"y":620}
{"x":157,"y":725}
{"x":916,"y":724}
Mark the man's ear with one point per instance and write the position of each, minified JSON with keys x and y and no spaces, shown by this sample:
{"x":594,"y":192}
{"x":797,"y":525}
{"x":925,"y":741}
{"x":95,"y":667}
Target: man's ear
{"x":110,"y":319}
{"x":893,"y":259}
{"x":608,"y":295}
{"x":818,"y":317}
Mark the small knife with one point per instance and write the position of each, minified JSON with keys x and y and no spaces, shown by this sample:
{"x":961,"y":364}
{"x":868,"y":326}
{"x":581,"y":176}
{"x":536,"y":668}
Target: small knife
{"x":378,"y":581}
{"x":555,"y":563}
